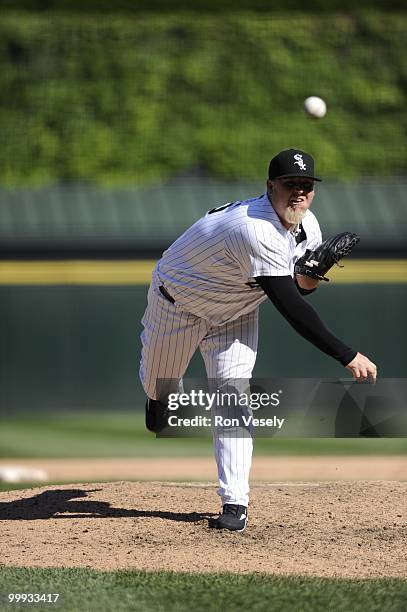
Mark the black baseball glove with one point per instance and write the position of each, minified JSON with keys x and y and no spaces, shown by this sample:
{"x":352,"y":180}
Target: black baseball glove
{"x":317,"y":263}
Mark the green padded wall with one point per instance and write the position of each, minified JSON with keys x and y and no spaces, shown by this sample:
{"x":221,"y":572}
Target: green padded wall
{"x":78,"y":347}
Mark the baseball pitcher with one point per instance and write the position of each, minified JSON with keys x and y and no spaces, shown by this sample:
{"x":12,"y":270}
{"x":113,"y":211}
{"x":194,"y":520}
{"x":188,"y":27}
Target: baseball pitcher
{"x":206,"y":291}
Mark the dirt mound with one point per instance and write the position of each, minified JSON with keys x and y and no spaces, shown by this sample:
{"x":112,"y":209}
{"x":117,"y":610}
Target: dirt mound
{"x":343,"y":529}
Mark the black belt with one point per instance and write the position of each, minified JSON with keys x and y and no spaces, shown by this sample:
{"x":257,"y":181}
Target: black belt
{"x":165,"y":293}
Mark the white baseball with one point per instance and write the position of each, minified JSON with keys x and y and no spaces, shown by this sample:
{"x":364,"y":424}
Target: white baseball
{"x":315,"y":107}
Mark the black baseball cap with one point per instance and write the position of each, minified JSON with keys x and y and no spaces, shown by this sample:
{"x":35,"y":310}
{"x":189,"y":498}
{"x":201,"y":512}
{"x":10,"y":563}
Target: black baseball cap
{"x":292,"y":162}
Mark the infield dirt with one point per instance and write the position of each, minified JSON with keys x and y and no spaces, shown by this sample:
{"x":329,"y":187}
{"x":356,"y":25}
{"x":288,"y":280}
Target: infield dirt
{"x":337,"y":529}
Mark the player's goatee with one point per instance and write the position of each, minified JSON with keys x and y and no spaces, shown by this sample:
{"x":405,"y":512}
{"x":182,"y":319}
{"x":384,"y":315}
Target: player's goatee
{"x":293,"y":215}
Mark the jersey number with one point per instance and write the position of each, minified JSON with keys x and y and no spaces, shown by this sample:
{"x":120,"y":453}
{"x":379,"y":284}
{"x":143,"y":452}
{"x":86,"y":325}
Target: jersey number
{"x":219,"y":208}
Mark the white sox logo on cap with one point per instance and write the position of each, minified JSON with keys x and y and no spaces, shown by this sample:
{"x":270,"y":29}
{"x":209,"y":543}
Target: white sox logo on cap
{"x":299,"y":161}
{"x":292,"y":162}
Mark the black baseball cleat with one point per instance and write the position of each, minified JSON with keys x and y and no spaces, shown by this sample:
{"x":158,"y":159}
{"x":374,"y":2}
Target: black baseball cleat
{"x":233,"y":517}
{"x":157,"y":415}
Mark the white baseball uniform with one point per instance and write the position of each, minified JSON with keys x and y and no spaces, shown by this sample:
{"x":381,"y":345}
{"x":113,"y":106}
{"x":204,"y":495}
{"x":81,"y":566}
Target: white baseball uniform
{"x":210,"y":273}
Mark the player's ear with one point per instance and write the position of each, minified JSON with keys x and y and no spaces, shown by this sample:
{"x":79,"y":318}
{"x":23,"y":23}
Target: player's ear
{"x":269,"y":186}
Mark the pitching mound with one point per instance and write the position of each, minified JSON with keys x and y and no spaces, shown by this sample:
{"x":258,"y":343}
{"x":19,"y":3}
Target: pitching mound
{"x":342,"y":529}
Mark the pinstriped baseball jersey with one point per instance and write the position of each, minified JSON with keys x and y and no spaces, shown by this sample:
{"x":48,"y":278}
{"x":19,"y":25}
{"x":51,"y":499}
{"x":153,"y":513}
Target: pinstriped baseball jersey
{"x":210,"y":269}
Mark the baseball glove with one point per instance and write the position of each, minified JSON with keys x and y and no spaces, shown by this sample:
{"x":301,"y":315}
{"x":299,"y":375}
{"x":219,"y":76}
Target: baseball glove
{"x":317,"y":263}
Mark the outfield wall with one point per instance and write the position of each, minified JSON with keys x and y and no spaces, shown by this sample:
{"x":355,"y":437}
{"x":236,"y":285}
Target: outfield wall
{"x":76,"y":219}
{"x":78,"y":346}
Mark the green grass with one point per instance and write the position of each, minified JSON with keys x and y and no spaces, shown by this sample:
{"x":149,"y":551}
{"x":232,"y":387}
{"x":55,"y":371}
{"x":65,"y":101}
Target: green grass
{"x":122,"y":434}
{"x":84,"y":589}
{"x":11,"y":486}
{"x":97,"y":434}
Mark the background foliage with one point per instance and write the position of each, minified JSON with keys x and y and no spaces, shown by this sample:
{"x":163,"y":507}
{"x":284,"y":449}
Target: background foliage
{"x":119,"y":99}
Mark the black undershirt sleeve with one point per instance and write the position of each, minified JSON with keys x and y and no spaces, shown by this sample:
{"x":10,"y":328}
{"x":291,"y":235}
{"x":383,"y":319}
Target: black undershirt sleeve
{"x":303,"y":318}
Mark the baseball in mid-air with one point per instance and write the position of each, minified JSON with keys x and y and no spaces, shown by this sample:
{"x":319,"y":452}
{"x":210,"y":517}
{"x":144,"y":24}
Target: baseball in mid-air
{"x":315,"y":107}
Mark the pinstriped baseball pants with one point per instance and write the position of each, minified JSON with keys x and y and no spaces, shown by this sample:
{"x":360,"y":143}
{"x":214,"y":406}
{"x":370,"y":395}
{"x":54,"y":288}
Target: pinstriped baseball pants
{"x":169,"y":339}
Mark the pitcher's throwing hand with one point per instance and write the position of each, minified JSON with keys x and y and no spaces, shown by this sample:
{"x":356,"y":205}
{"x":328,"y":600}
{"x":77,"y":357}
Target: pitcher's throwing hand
{"x":362,"y":368}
